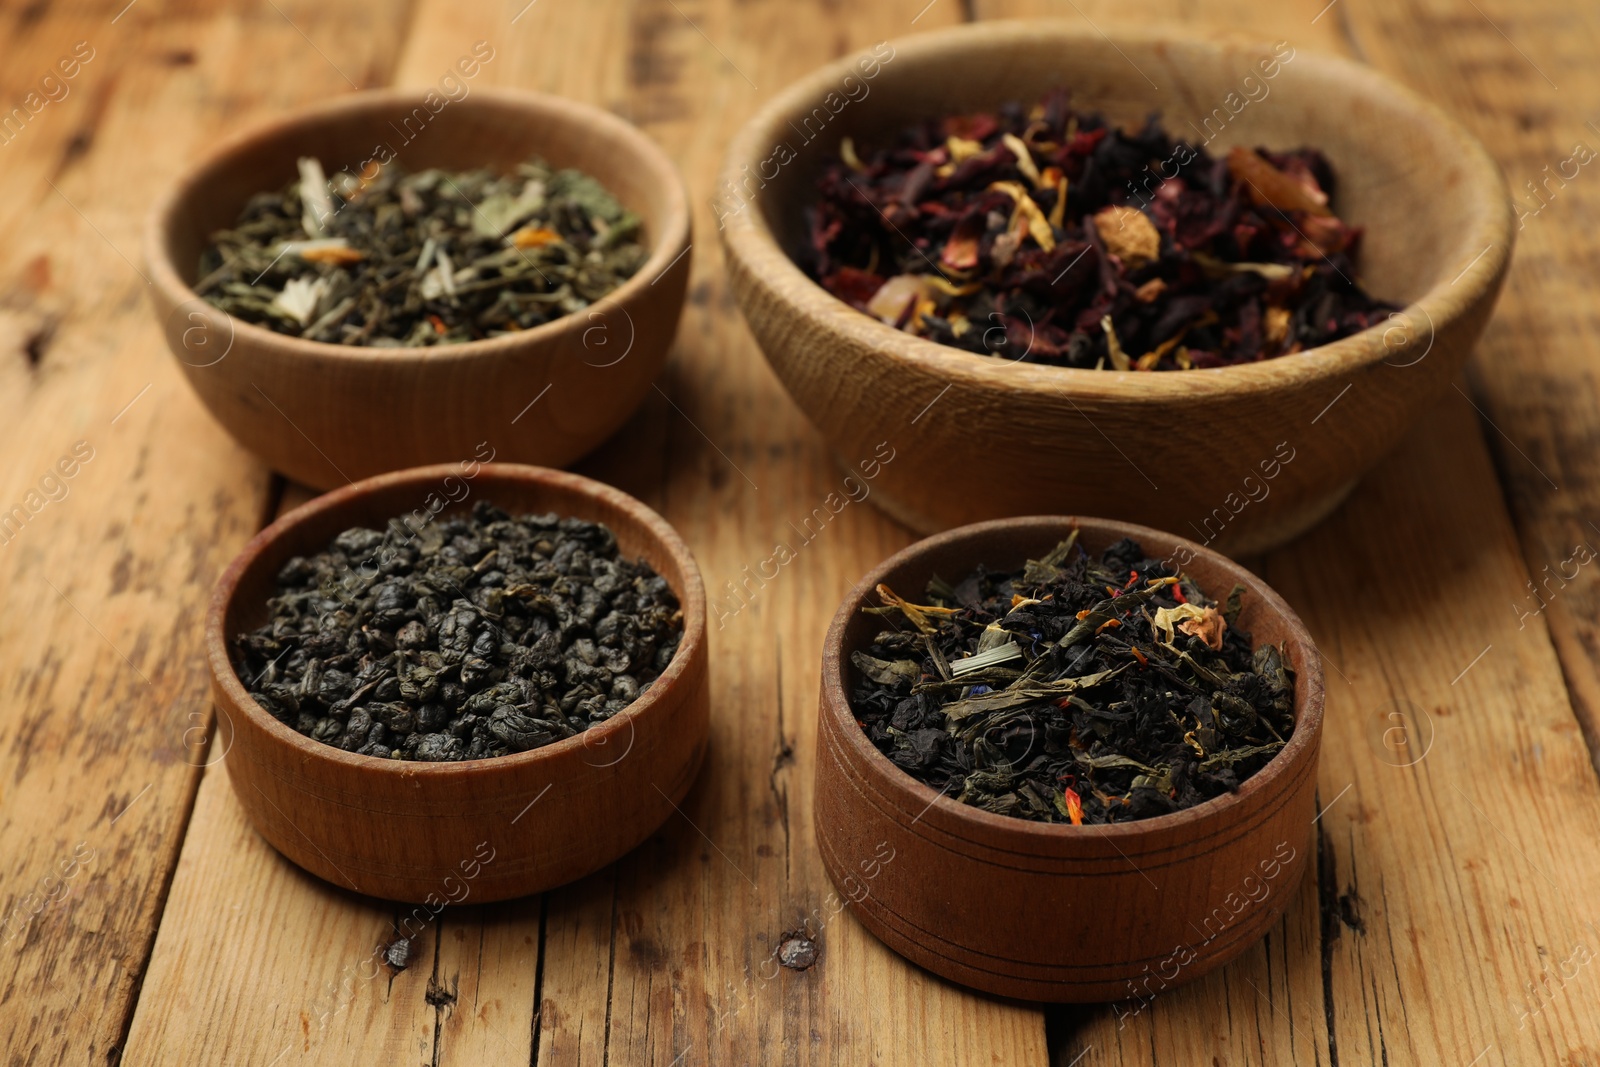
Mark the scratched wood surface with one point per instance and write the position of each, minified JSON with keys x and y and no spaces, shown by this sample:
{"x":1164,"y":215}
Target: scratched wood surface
{"x":144,"y":922}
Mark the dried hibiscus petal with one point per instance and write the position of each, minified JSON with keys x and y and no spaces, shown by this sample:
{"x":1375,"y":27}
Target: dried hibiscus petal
{"x":1085,"y":244}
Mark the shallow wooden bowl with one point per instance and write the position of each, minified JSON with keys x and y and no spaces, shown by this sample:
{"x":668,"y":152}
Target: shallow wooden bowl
{"x":1061,"y":913}
{"x":1199,"y":451}
{"x":326,"y":414}
{"x":422,"y":831}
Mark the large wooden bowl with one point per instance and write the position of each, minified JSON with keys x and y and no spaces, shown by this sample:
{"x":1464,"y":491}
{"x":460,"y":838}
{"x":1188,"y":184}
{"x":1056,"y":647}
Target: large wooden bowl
{"x":421,"y":832}
{"x":326,"y":414}
{"x":1050,"y":912}
{"x":983,"y":437}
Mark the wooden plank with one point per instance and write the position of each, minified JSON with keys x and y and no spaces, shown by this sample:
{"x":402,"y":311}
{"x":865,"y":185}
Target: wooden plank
{"x":106,"y":581}
{"x":679,"y":934}
{"x":303,"y":978}
{"x":668,"y":930}
{"x":1537,"y":374}
{"x":1519,"y":76}
{"x":1445,"y":924}
{"x":308,"y":980}
{"x":299,"y":982}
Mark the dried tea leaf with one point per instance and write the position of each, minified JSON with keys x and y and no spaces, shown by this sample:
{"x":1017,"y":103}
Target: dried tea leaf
{"x":502,"y":211}
{"x":477,"y":635}
{"x":403,"y":260}
{"x":585,"y":194}
{"x":1229,"y":756}
{"x":900,"y":672}
{"x":1107,"y":721}
{"x":1091,"y":619}
{"x":1020,"y":693}
{"x":1050,"y":567}
{"x":1233,"y":605}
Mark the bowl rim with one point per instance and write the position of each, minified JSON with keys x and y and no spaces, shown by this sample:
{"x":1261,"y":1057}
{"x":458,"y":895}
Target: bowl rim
{"x":995,"y":829}
{"x":669,"y":245}
{"x":754,"y":251}
{"x":665,"y":687}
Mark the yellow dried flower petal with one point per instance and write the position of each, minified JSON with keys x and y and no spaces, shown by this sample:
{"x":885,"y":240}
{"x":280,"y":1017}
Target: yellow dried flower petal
{"x":1025,"y":161}
{"x":1032,"y":213}
{"x":961,"y":149}
{"x":847,"y":152}
{"x":1119,"y":358}
{"x":534,"y":237}
{"x":1275,"y":326}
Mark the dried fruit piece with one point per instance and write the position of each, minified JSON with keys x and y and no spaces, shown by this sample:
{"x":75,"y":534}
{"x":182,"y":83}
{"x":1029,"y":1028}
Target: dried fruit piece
{"x":1128,"y":234}
{"x":1271,"y":186}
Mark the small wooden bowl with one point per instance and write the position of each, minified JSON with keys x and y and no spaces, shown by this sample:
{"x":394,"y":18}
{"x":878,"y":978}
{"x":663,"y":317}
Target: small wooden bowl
{"x":421,"y":831}
{"x":326,"y":414}
{"x":1202,"y":450}
{"x":1048,"y":912}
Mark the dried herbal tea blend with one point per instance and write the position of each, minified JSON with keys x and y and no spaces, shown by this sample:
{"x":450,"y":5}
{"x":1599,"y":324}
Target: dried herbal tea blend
{"x":390,"y":259}
{"x":478,"y":636}
{"x":1078,"y":690}
{"x":1044,"y":234}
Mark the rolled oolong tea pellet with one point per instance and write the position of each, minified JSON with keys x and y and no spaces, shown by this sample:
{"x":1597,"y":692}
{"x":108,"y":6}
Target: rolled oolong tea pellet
{"x":1078,"y":690}
{"x":476,"y":636}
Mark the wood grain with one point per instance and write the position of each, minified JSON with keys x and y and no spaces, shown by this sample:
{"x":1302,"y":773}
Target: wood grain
{"x":483,"y":830}
{"x":1141,"y":447}
{"x":1048,"y":912}
{"x":683,"y":941}
{"x":1445,"y":887}
{"x":327,"y":414}
{"x":698,"y":912}
{"x":105,"y":585}
{"x":1535,"y":380}
{"x":660,"y":958}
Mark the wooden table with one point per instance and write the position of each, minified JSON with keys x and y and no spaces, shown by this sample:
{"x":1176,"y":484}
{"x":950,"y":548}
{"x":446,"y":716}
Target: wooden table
{"x":1451,"y":919}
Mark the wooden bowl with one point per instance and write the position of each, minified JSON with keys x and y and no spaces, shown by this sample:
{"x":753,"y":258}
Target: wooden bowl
{"x":1050,"y":912}
{"x":1200,"y":451}
{"x":325,"y":414}
{"x":419,"y":832}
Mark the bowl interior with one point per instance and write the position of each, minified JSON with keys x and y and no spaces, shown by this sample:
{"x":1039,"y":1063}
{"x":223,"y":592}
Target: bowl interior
{"x":1008,"y":544}
{"x":451,"y":490}
{"x":488,"y":129}
{"x":1399,"y":165}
